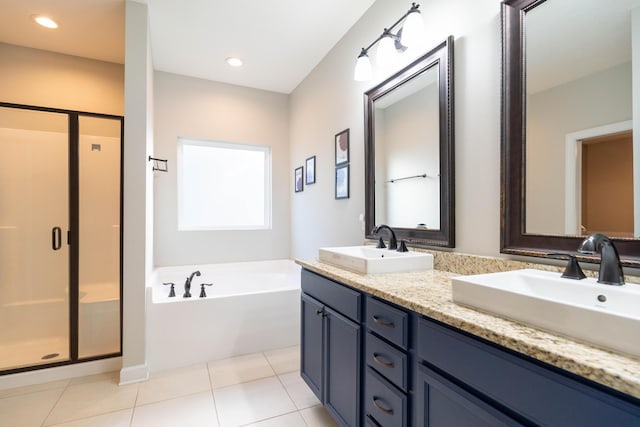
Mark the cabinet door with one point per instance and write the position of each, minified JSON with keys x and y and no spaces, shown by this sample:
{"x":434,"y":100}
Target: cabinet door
{"x":439,"y":402}
{"x":343,"y":344}
{"x":312,"y":314}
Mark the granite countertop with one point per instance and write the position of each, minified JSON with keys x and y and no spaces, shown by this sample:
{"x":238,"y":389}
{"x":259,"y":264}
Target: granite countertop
{"x":429,"y":293}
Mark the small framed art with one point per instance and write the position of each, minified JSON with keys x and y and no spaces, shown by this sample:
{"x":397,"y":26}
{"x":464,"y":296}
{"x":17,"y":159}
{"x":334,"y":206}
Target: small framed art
{"x":342,"y":147}
{"x":311,"y":171}
{"x":342,"y":182}
{"x":298,"y":180}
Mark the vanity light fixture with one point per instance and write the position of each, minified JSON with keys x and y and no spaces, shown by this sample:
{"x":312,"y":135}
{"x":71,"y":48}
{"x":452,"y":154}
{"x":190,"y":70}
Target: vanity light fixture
{"x":234,"y":62}
{"x":45,"y":21}
{"x":391,"y":44}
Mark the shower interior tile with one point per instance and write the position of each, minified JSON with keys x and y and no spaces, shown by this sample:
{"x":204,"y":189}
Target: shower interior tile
{"x":90,"y":399}
{"x":253,"y":401}
{"x":194,"y":411}
{"x":174,"y":383}
{"x":298,"y":390}
{"x":239,"y":369}
{"x":28,"y":409}
{"x":284,"y":360}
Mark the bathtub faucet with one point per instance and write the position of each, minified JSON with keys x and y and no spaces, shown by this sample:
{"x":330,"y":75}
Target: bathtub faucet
{"x":187,"y":284}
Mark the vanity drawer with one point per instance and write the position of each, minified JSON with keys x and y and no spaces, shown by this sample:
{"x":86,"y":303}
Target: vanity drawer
{"x":385,"y":404}
{"x":388,"y":322}
{"x":539,"y":394}
{"x":390,"y":362}
{"x":342,"y":299}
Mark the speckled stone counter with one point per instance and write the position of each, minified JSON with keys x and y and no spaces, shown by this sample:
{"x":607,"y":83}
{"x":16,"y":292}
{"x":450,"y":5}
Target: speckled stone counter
{"x":429,"y":293}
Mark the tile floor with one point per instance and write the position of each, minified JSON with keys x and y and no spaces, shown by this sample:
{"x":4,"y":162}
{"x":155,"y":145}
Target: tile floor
{"x":260,"y":390}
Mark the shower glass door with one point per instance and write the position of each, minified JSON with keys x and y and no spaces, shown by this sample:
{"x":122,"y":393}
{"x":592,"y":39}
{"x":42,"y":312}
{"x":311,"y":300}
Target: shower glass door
{"x":99,"y":236}
{"x":34,"y":254}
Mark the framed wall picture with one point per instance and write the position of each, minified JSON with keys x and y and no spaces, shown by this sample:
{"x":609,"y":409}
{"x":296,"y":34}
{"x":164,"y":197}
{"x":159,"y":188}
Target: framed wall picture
{"x":342,"y":147}
{"x":311,"y":171}
{"x":342,"y":182}
{"x":298,"y":183}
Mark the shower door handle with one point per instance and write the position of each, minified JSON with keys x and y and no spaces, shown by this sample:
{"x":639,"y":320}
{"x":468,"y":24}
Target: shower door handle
{"x":56,"y":238}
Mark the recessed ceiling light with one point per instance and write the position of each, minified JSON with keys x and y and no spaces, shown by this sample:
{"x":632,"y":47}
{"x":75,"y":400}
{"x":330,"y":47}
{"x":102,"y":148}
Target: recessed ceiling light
{"x":45,"y":21}
{"x":234,"y":62}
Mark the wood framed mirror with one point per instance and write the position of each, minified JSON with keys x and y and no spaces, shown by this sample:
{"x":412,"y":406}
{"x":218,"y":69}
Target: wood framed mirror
{"x":409,"y":156}
{"x":566,"y":81}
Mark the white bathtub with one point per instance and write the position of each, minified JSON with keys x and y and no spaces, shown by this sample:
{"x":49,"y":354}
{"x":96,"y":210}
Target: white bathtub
{"x":251,"y":307}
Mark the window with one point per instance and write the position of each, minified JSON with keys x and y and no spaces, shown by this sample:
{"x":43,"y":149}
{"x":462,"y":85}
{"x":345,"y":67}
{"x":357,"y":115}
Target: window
{"x":223,"y":186}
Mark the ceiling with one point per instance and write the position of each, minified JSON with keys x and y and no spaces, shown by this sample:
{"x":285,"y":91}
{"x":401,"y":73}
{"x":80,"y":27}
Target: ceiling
{"x":280,"y":41}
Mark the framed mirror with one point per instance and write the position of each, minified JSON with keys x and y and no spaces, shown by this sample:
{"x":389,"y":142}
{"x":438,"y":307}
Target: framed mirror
{"x":409,"y":171}
{"x":569,"y":161}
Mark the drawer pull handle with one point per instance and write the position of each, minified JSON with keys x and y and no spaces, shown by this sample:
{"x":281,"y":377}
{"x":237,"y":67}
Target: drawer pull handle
{"x":376,"y":358}
{"x":382,"y":322}
{"x":388,"y":411}
{"x":321,"y":312}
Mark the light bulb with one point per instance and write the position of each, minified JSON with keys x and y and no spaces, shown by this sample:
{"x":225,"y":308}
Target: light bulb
{"x":412,"y":30}
{"x":386,"y":53}
{"x":363,"y":72}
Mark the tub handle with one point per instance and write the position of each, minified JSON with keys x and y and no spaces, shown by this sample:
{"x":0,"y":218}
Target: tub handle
{"x":203,"y":294}
{"x":172,"y":292}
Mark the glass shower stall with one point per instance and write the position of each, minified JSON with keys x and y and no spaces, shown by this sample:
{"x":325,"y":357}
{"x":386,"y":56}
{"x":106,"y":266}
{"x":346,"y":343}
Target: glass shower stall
{"x":60,"y":236}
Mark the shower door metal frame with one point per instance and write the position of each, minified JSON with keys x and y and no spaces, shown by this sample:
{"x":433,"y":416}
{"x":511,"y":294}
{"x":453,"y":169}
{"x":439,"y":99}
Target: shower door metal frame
{"x":73,"y":236}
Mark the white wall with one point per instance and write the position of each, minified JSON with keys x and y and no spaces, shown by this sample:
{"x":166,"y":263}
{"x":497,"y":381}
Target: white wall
{"x":201,"y":109}
{"x":48,"y":79}
{"x":138,"y":202}
{"x":329,"y":100}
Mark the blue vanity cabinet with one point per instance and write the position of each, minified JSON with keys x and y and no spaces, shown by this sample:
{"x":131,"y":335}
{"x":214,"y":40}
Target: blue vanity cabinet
{"x":462,"y":380}
{"x":373,"y":363}
{"x":386,"y":385}
{"x":331,"y":350}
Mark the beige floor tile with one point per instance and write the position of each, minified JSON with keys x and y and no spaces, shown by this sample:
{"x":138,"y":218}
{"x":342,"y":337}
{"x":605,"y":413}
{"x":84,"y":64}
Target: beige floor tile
{"x":112,"y":419}
{"x":251,"y":402}
{"x":90,"y":399}
{"x":28,"y":409}
{"x":113,"y":376}
{"x":317,"y":416}
{"x":298,"y":390}
{"x":284,"y":360}
{"x":237,"y":370}
{"x":193,"y":411}
{"x":174,"y":383}
{"x":17,"y":391}
{"x":294,"y":419}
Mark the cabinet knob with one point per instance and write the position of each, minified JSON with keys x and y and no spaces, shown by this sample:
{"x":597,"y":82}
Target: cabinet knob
{"x":321,"y":312}
{"x":382,"y":322}
{"x":375,"y":401}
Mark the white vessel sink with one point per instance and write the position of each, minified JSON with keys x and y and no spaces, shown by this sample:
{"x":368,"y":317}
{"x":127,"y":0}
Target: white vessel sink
{"x":608,"y":316}
{"x":369,"y":259}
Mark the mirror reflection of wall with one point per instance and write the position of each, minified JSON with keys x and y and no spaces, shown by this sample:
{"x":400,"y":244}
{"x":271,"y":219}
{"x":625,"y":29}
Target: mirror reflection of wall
{"x":578,"y":87}
{"x":407,"y":154}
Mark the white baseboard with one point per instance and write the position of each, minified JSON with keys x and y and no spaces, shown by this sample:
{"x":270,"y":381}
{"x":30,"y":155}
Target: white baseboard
{"x":134,"y":374}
